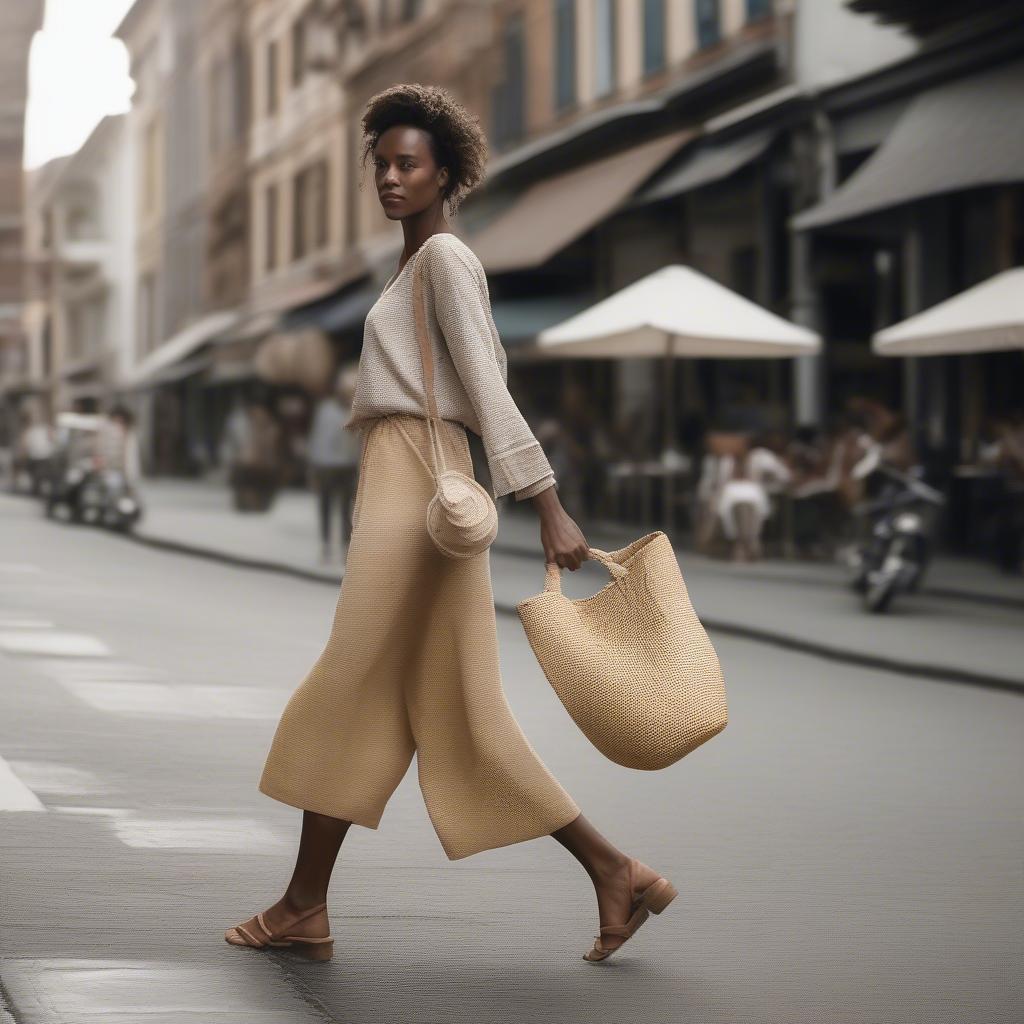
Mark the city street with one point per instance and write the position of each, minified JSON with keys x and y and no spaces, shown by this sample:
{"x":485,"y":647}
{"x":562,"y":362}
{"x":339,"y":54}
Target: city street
{"x":848,"y":849}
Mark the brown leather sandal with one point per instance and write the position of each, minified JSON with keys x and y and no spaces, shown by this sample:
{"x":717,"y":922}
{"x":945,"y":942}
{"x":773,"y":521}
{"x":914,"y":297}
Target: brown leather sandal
{"x":653,"y":900}
{"x":311,"y":947}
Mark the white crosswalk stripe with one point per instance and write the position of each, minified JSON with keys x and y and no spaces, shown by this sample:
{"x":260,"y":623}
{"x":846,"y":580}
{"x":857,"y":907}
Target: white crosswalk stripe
{"x":247,"y":835}
{"x":60,"y":779}
{"x":162,"y":700}
{"x":32,"y":641}
{"x":14,"y":794}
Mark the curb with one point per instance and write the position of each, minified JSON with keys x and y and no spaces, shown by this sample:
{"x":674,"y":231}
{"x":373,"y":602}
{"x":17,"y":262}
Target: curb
{"x":950,"y":593}
{"x":926,"y":670}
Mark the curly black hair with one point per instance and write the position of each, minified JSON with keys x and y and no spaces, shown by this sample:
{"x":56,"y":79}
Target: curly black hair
{"x":456,"y":139}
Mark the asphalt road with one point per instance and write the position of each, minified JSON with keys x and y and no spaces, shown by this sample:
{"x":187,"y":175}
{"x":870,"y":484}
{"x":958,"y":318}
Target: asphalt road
{"x":849,"y":849}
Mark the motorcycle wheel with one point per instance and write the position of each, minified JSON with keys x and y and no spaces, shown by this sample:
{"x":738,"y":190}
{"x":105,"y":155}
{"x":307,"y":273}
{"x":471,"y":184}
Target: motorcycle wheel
{"x":878,"y":596}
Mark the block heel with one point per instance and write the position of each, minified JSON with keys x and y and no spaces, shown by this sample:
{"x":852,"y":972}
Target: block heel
{"x":658,"y":895}
{"x":653,"y":900}
{"x":309,"y":949}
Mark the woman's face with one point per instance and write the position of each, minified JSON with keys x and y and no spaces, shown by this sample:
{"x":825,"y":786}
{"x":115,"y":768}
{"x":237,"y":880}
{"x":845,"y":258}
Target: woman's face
{"x":406,"y":176}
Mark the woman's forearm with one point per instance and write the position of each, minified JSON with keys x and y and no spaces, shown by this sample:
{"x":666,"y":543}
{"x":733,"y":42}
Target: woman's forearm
{"x":547,"y":502}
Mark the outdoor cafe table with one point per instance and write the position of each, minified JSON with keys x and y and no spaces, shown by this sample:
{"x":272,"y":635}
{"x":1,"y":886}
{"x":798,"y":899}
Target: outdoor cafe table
{"x":626,"y":478}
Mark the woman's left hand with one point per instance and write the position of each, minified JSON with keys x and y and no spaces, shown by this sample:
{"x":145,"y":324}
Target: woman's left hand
{"x":562,"y":540}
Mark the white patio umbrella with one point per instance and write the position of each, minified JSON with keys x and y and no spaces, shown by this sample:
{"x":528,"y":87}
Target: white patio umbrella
{"x":985,"y":318}
{"x":675,"y":312}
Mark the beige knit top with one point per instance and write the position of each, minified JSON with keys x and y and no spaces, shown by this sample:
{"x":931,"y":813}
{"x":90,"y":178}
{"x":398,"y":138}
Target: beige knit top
{"x":470,"y":365}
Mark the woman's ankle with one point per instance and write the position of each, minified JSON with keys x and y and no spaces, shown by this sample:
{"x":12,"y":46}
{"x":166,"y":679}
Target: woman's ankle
{"x":297,"y":900}
{"x":605,"y":868}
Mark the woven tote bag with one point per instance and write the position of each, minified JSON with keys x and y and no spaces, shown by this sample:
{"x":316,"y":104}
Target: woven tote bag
{"x":632,"y":663}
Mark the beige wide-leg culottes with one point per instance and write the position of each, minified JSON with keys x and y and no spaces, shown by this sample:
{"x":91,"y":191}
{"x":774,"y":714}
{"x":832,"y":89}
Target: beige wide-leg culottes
{"x":411,"y":666}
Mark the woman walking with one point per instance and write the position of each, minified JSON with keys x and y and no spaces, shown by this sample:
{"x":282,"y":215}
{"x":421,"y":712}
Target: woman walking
{"x":411,"y":664}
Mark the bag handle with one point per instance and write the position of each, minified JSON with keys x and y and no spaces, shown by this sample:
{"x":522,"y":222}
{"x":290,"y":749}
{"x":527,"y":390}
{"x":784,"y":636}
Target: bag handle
{"x":553,"y":571}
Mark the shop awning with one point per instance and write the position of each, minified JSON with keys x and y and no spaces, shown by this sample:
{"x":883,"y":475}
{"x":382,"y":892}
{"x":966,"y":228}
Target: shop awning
{"x":255,"y":325}
{"x":985,"y":318}
{"x":964,"y":134}
{"x":335,"y":314}
{"x":550,"y":214}
{"x":520,"y":320}
{"x":706,"y":165}
{"x":175,"y":372}
{"x":181,"y":346}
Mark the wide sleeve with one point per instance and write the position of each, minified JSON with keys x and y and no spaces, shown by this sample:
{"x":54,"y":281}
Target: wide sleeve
{"x":459,"y":290}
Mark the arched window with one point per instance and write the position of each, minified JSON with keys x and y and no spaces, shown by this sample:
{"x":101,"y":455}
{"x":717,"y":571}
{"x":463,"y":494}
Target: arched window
{"x":82,"y":220}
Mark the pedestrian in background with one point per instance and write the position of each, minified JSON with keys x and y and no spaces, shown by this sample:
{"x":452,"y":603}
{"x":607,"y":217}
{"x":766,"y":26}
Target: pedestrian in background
{"x":334,"y":460}
{"x":33,"y":448}
{"x":253,"y":449}
{"x":116,"y":448}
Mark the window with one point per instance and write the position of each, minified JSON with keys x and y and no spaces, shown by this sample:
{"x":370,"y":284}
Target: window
{"x":708,"y":29}
{"x":743,"y":271}
{"x":757,"y":9}
{"x":299,"y":201}
{"x":654,"y":36}
{"x":213,"y":108}
{"x":309,"y":209}
{"x":410,"y":10}
{"x":298,"y":50}
{"x":270,"y":219}
{"x":239,"y":90}
{"x":82,"y":220}
{"x":508,"y":96}
{"x":272,"y":78}
{"x":150,"y":168}
{"x":147,"y":314}
{"x":318,"y":203}
{"x":81,"y":224}
{"x":75,"y":335}
{"x":565,"y":53}
{"x":604,"y":43}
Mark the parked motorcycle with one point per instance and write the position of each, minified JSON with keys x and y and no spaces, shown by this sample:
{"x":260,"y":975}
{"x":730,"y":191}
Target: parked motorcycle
{"x":899,"y":524}
{"x":117,"y":505}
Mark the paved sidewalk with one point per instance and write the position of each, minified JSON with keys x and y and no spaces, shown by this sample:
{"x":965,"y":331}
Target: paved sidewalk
{"x":803,"y":605}
{"x":199,"y":514}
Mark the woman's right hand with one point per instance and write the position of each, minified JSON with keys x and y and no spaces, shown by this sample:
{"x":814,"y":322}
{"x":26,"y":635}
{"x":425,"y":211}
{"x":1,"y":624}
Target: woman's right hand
{"x":562,"y":540}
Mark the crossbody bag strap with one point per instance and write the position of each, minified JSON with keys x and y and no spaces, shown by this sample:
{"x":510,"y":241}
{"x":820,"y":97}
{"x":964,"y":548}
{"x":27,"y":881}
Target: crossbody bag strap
{"x":427,"y":359}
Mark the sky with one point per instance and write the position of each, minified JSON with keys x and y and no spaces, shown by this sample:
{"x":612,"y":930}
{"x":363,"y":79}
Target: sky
{"x":77,"y":75}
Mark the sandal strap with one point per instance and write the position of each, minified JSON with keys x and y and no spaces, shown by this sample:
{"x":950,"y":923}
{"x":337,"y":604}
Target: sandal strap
{"x":306,"y":913}
{"x":270,"y":936}
{"x":252,"y":940}
{"x":636,"y":919}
